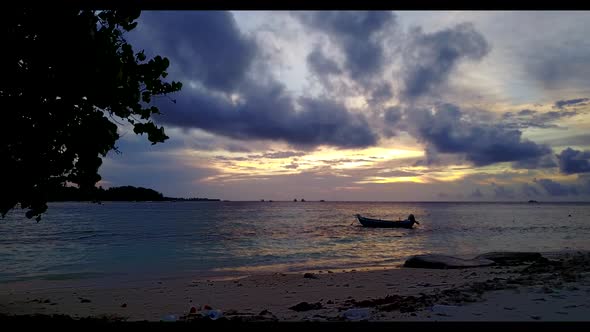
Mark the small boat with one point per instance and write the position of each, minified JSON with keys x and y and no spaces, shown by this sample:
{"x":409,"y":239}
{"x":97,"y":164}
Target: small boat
{"x":369,"y":222}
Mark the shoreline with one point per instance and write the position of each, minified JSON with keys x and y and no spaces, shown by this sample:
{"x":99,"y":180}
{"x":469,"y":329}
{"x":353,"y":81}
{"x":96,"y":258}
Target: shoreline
{"x":399,"y":294}
{"x":233,"y":273}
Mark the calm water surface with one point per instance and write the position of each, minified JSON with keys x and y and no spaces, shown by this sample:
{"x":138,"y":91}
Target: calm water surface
{"x":136,"y":240}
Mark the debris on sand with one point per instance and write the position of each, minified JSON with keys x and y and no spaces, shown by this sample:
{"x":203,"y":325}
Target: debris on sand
{"x":542,"y":272}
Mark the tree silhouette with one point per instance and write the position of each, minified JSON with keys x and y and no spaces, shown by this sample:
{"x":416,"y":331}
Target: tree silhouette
{"x":68,"y":77}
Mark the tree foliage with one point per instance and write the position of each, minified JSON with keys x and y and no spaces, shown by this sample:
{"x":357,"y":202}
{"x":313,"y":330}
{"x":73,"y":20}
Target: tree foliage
{"x":125,"y":193}
{"x":68,"y":78}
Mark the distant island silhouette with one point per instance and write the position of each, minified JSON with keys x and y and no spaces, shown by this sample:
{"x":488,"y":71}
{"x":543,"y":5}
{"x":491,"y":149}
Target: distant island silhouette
{"x":124,"y":193}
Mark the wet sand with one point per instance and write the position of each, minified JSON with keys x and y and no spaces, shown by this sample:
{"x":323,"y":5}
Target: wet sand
{"x":554,"y":291}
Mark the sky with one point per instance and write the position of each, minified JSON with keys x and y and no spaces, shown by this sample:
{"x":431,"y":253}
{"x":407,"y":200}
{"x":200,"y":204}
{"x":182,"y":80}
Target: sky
{"x":366,"y":106}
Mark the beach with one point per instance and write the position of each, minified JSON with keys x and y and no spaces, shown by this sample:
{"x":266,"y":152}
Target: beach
{"x":557,"y":289}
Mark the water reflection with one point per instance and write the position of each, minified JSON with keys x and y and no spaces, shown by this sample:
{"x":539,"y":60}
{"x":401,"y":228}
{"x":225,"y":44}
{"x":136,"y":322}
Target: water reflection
{"x":235,"y":237}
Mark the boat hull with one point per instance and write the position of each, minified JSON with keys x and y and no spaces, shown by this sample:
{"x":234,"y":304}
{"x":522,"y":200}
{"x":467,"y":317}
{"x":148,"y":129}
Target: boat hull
{"x":377,"y":223}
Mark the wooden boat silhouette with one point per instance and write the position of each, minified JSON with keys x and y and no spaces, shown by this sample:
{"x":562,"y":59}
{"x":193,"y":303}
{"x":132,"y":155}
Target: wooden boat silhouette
{"x":380,"y":223}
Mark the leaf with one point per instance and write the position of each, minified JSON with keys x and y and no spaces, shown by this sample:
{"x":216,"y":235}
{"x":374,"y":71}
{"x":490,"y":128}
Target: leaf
{"x":98,"y":78}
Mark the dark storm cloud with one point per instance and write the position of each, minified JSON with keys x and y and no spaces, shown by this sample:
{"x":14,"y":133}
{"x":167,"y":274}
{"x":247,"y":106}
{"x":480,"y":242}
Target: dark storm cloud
{"x":557,"y":189}
{"x":268,"y":112}
{"x":564,"y":103}
{"x":320,"y":64}
{"x":208,"y":47}
{"x":574,"y":161}
{"x":450,"y":130}
{"x":430,"y":58}
{"x":356,"y":34}
{"x":393,"y":122}
{"x":203,"y":45}
{"x":393,"y":115}
{"x":382,"y":92}
{"x":546,"y":161}
{"x":534,"y":119}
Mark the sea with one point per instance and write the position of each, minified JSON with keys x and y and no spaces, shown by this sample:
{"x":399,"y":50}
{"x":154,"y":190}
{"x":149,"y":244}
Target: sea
{"x":141,"y":240}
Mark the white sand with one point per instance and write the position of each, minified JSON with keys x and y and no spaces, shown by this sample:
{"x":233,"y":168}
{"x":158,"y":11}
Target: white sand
{"x":278,"y":292}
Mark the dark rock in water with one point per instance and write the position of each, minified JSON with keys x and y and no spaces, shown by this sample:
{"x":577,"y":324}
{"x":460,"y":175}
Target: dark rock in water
{"x":304,"y":306}
{"x":433,"y":261}
{"x":310,"y":276}
{"x":512,"y":258}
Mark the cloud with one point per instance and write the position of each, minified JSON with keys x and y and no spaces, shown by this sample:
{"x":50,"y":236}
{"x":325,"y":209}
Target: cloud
{"x":545,"y":161}
{"x":429,"y":58}
{"x":574,"y":161}
{"x":231,"y":96}
{"x":382,"y":93}
{"x":292,"y":165}
{"x":159,"y":166}
{"x":269,"y":112}
{"x":320,"y":64}
{"x":224,"y":158}
{"x":278,"y":155}
{"x":529,"y":118}
{"x":564,"y":64}
{"x":582,"y":140}
{"x":557,"y":189}
{"x":393,"y":115}
{"x":202,"y":45}
{"x":570,"y":102}
{"x":453,"y":131}
{"x":356,"y":33}
{"x":397,"y":173}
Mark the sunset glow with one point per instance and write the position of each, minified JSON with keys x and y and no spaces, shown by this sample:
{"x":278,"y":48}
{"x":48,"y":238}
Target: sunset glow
{"x":416,"y":105}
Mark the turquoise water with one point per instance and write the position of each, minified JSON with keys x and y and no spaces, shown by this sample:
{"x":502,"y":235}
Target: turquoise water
{"x":167,"y":239}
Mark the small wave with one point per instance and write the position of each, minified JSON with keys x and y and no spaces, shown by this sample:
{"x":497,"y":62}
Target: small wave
{"x":52,"y":276}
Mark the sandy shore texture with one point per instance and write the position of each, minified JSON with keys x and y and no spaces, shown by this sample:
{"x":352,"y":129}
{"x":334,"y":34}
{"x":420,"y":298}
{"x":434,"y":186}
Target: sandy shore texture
{"x":556,"y":289}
